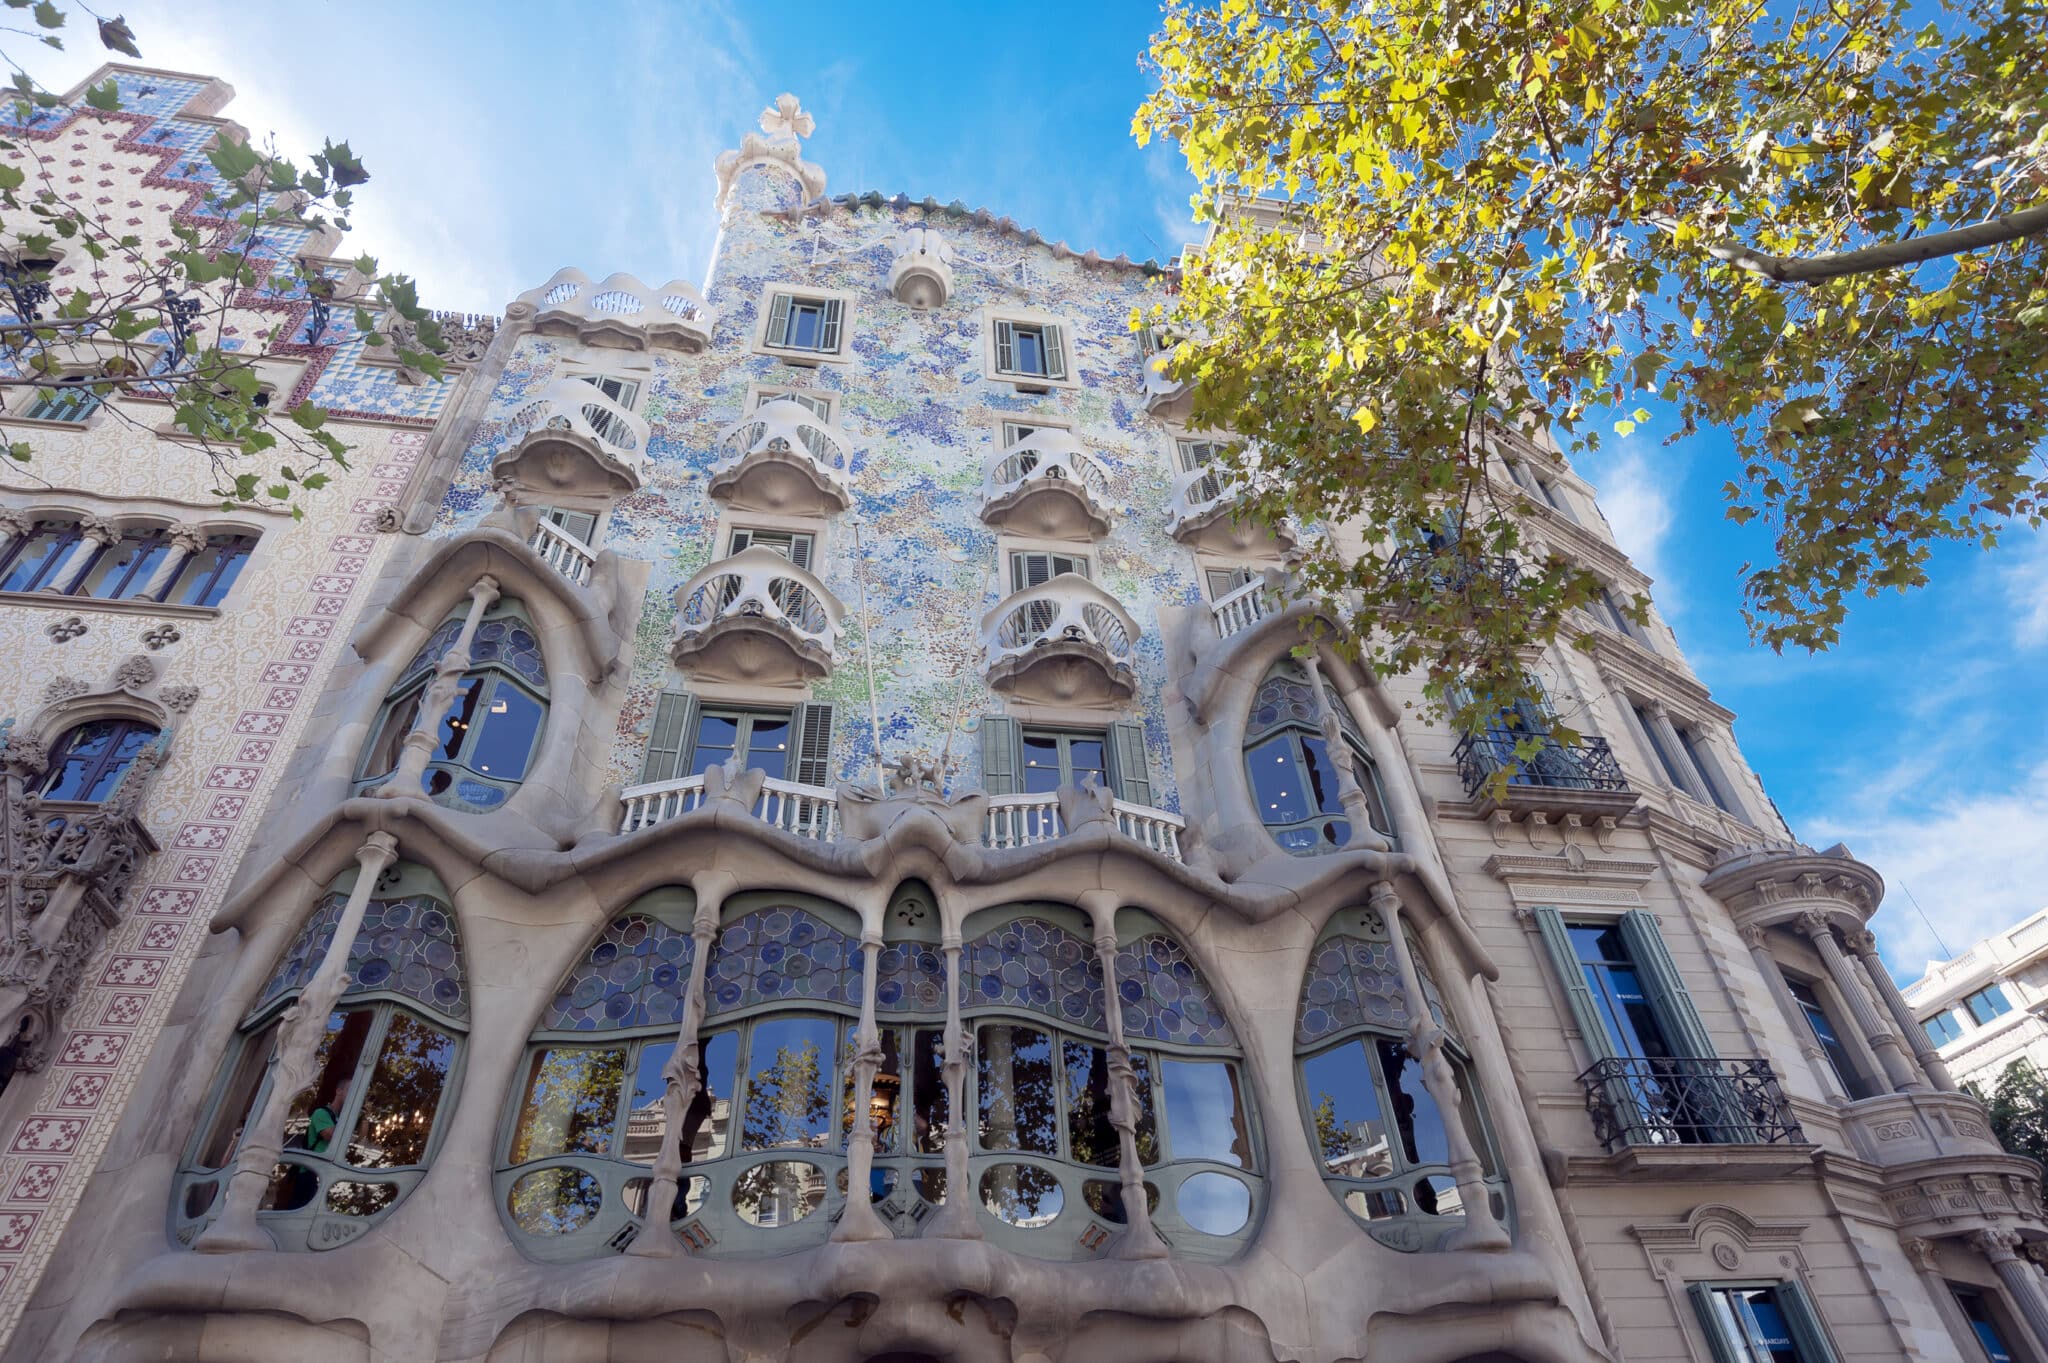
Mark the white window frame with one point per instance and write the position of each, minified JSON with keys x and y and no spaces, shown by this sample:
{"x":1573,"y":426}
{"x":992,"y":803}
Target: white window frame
{"x":1205,"y":565}
{"x":1000,"y":427}
{"x":1008,"y":545}
{"x":841,"y":352}
{"x":759,"y":395}
{"x":1030,"y":317}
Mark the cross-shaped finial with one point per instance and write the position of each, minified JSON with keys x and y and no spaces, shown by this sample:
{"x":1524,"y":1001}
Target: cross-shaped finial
{"x":786,"y":118}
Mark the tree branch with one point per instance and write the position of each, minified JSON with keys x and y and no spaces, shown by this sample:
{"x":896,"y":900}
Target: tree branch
{"x":2026,"y":222}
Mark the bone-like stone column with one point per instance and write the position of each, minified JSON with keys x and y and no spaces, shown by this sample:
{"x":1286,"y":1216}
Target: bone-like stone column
{"x":291,"y":1064}
{"x":2022,"y":1282}
{"x":1758,"y":941}
{"x":683,"y":1076}
{"x":1426,"y":1041}
{"x":1865,"y":947}
{"x":1139,"y":1240}
{"x":418,"y":745}
{"x":1357,"y":808}
{"x":1891,"y":1052}
{"x":955,"y":1219}
{"x":858,"y":1221}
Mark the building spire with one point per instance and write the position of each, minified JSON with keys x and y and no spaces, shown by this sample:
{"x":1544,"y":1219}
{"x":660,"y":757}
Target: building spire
{"x":778,"y":146}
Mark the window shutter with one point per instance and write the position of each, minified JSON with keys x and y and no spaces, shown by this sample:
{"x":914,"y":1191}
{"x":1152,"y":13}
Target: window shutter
{"x":1129,"y":771}
{"x":1006,"y":350}
{"x":800,"y":553}
{"x":1055,"y":353}
{"x":828,"y":328}
{"x":1802,"y":1318}
{"x":1002,"y":755}
{"x":1725,"y":1350}
{"x":1578,"y":994}
{"x":671,"y":737}
{"x":778,"y":321}
{"x":1031,"y":569}
{"x":741,"y":539}
{"x":814,"y":743}
{"x":581,"y":524}
{"x":1663,"y":985}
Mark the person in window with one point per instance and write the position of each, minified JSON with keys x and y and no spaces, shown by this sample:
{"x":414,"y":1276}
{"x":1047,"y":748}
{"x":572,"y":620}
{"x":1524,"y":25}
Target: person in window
{"x":320,"y":1123}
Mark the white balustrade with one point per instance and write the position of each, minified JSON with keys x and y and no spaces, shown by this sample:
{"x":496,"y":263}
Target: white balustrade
{"x":1242,"y":608}
{"x":620,"y":307}
{"x":660,"y":801}
{"x":563,"y":552}
{"x":581,"y":408}
{"x":784,"y":432}
{"x":759,"y":584}
{"x":807,"y":811}
{"x":1022,"y":820}
{"x":1047,"y":458}
{"x":1067,"y":609}
{"x":1156,"y":828}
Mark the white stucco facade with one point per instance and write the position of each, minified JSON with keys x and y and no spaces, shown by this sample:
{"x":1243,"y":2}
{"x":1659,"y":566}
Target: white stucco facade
{"x":1988,"y":1007}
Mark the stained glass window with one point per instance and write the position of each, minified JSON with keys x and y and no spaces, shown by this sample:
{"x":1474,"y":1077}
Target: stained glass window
{"x":510,"y":641}
{"x":432,"y":650}
{"x":1031,"y":964}
{"x":1351,"y":983}
{"x":782,"y":954}
{"x":910,"y":977}
{"x":406,"y":946}
{"x":634,"y":975}
{"x":1165,"y":997}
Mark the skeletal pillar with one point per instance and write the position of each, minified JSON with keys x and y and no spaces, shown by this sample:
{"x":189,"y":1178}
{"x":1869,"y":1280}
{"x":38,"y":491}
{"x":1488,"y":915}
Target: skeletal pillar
{"x":418,"y":745}
{"x":858,"y":1221}
{"x":683,"y":1078}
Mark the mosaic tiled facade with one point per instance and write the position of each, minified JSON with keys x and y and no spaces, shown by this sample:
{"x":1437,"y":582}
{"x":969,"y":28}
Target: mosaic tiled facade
{"x":845,"y":765}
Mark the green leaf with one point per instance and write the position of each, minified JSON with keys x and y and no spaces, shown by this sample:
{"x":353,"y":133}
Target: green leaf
{"x":106,"y":96}
{"x":48,"y":15}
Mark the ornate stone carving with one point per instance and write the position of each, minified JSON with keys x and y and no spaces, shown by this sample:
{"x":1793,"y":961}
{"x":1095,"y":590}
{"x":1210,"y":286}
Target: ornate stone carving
{"x":136,"y":672}
{"x":467,"y":336}
{"x":62,"y":689}
{"x":784,"y":122}
{"x":159,"y":637}
{"x":179,"y":699}
{"x":65,"y":630}
{"x":387,"y":520}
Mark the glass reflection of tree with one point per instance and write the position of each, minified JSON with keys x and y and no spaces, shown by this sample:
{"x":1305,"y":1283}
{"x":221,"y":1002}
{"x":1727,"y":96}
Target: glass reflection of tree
{"x":405,"y":1089}
{"x":1091,"y":1135}
{"x":571,"y":1100}
{"x":788,"y":1105}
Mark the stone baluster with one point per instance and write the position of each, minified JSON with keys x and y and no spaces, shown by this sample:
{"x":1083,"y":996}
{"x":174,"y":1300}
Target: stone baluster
{"x":1758,"y":941}
{"x":188,"y":541}
{"x":14,"y":525}
{"x":956,"y":1219}
{"x":291,"y":1064}
{"x":1891,"y":1052}
{"x":1357,"y":808}
{"x":1139,"y":1240}
{"x":683,"y":1078}
{"x":1865,"y":947}
{"x":2022,"y":1281}
{"x":418,"y":745}
{"x":858,"y":1221}
{"x":94,"y":535}
{"x":1426,"y":1042}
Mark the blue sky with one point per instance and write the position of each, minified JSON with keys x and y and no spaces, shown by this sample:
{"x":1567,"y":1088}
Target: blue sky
{"x":506,"y":140}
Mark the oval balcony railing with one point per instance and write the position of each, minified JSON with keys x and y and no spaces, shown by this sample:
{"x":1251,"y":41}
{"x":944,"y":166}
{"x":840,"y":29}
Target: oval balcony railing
{"x":1027,"y":820}
{"x":1205,"y":510}
{"x":621,"y":309}
{"x":570,"y":434}
{"x":1046,"y":484}
{"x":1065,"y":641}
{"x":563,"y":552}
{"x":756,"y":617}
{"x":807,"y":811}
{"x":783,"y":457}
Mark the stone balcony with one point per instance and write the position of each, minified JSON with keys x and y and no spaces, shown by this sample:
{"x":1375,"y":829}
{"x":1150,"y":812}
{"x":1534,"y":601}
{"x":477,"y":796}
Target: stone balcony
{"x":1063,"y":642}
{"x":563,"y":552}
{"x":621,"y":312}
{"x":1166,"y":398}
{"x":570,"y":437}
{"x":1046,"y":485}
{"x":1206,"y":511}
{"x":756,"y":617}
{"x":783,"y":457}
{"x":1557,"y":782}
{"x":1942,"y":1171}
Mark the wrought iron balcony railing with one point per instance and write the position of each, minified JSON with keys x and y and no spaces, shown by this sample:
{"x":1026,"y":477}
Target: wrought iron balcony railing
{"x":1447,"y":572}
{"x":1585,"y":765}
{"x":1686,"y":1100}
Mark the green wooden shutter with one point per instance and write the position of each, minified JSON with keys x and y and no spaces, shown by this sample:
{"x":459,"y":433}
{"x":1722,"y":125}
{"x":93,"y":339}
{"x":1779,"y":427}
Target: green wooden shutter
{"x":1802,"y":1317}
{"x":1557,"y":941}
{"x":581,"y":524}
{"x":813,"y":728}
{"x":828,"y":330}
{"x":1055,"y":353}
{"x":1002,"y":755}
{"x":1006,"y":362}
{"x":1130,"y":775}
{"x":1725,"y":1350}
{"x":1664,"y":986}
{"x":778,"y":320}
{"x":670,"y":739}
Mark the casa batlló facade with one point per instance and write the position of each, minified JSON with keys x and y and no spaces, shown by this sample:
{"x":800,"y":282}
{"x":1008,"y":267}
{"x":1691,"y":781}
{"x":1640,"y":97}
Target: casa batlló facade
{"x":785,"y":821}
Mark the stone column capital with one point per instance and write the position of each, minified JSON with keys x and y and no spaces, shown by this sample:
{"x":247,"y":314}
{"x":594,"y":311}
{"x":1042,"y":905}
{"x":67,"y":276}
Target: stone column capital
{"x":1861,"y":941}
{"x":1754,"y":937}
{"x":485,"y":591}
{"x":187,"y":536}
{"x":1815,"y":925}
{"x":15,"y":522}
{"x":1921,"y":1253}
{"x":1997,"y":1244}
{"x":98,"y":529}
{"x":378,"y":851}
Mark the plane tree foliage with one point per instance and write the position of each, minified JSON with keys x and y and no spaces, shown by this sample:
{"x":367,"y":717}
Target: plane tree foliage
{"x":1819,"y":226}
{"x":87,"y":306}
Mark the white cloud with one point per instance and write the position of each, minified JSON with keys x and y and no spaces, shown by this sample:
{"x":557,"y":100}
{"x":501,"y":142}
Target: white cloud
{"x":1637,"y":502}
{"x":1976,"y":862}
{"x":2025,"y":578}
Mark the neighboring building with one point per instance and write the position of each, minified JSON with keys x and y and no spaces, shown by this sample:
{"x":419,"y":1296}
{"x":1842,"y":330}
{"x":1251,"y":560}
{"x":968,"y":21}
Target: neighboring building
{"x":838,"y":720}
{"x":1988,"y":1007}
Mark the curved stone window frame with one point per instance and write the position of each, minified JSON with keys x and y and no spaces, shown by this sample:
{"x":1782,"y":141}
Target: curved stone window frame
{"x":1085,"y":1223}
{"x":1294,"y":737}
{"x":455,"y":779}
{"x":89,"y":778}
{"x":1388,"y":1205}
{"x":345,"y":1198}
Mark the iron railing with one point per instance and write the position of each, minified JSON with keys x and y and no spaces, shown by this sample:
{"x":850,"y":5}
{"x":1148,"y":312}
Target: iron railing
{"x":1685,"y":1100}
{"x":1586,"y":765}
{"x":1447,"y":571}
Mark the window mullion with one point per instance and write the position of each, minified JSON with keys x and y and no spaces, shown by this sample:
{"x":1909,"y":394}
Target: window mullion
{"x":359,"y":1085}
{"x":622,"y":1112}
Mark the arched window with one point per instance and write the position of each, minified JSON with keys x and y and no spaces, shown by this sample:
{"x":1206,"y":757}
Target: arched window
{"x":90,"y":759}
{"x":1376,"y":1128}
{"x":359,"y":1137}
{"x":486,"y":741}
{"x":1293,"y":773}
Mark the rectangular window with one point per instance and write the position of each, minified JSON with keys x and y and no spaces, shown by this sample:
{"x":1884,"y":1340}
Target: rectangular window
{"x":1709,"y":770}
{"x":1987,"y":1003}
{"x":759,"y":738}
{"x":1055,"y":758}
{"x":1223,"y":581}
{"x":1984,"y":1324}
{"x":1671,"y":762}
{"x":810,"y":324}
{"x":1772,"y":1323}
{"x":71,"y":400}
{"x":794,"y":545}
{"x":579,"y":525}
{"x":1013,"y":431}
{"x":1029,"y":568}
{"x":1613,"y":614}
{"x":1629,"y":1017}
{"x":1030,"y":350}
{"x":818,"y":404}
{"x":1852,"y":1079}
{"x":1942,"y":1028}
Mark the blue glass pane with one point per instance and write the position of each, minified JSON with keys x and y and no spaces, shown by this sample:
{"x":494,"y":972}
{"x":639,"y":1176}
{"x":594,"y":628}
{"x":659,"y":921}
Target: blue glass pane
{"x":1205,"y":1112}
{"x":1416,"y":1119}
{"x":431,"y":651}
{"x":1344,"y":1107}
{"x":1351,"y":982}
{"x":34,"y":560}
{"x":635,"y":975}
{"x":789,"y":1090}
{"x":506,"y":730}
{"x":910,"y":977}
{"x":1031,"y":964}
{"x":779,"y":954}
{"x":407,"y":946}
{"x":1165,"y":998}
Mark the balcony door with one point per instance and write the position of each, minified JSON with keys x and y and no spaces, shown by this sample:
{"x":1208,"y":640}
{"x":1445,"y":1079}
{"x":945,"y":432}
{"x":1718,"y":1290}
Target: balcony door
{"x":1034,"y":568}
